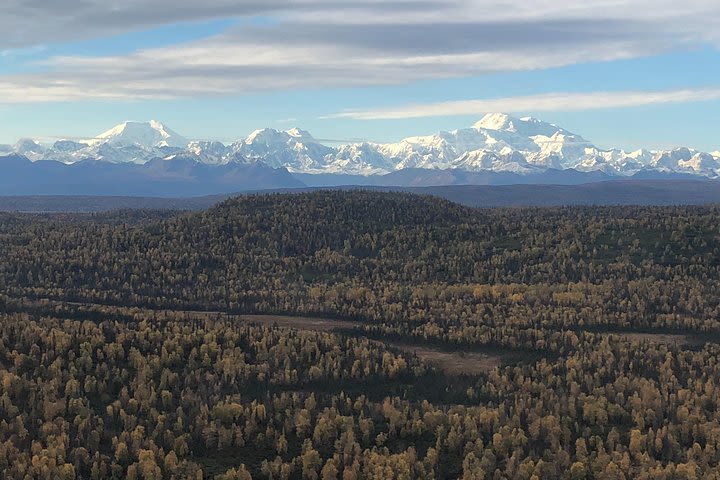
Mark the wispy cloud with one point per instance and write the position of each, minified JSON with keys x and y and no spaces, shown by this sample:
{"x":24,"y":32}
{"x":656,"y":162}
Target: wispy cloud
{"x":30,"y":22}
{"x":226,"y":66}
{"x":550,"y":102}
{"x":22,"y":52}
{"x":331,"y":43}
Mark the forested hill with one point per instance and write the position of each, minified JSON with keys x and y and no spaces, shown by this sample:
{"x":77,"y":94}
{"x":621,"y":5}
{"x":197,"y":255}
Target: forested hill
{"x":330,"y":219}
{"x":370,"y":255}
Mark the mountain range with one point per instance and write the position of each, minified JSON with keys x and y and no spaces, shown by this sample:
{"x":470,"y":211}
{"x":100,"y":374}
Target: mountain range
{"x":497,"y":149}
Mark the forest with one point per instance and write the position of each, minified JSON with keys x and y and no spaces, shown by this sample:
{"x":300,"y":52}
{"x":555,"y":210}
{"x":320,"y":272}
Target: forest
{"x":129,"y":350}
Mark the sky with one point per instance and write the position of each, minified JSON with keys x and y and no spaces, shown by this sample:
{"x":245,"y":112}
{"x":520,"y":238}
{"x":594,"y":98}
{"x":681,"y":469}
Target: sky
{"x":621,"y":73}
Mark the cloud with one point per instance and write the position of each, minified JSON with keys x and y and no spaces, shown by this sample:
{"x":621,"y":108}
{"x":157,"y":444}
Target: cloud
{"x":22,"y":52}
{"x":235,"y":64}
{"x":335,"y":43}
{"x":31,"y":22}
{"x":550,"y":102}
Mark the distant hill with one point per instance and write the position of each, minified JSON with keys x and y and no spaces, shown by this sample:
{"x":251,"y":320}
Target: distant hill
{"x":617,"y":192}
{"x":628,"y":192}
{"x":181,"y":176}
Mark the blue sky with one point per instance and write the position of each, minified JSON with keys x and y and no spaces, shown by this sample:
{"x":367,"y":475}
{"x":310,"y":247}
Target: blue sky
{"x":625,"y":73}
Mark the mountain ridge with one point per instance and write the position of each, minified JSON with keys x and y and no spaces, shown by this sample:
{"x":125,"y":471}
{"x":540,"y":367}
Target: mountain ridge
{"x":496,"y":143}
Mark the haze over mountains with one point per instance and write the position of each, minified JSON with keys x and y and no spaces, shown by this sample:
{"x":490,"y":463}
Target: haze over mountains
{"x":150,"y":158}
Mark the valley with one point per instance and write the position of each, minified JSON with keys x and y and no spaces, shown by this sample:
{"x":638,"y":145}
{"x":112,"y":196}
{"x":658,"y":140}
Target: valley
{"x":300,"y":335}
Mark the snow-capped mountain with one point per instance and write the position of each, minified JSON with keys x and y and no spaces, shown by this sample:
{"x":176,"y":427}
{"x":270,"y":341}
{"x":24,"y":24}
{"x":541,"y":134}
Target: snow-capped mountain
{"x":211,"y":153}
{"x":30,"y":149}
{"x":497,"y":143}
{"x":359,"y":159}
{"x":129,"y":142}
{"x":294,"y":149}
{"x":147,"y":135}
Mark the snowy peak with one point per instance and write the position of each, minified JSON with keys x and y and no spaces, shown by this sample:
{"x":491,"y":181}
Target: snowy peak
{"x":128,"y":142}
{"x":28,"y":145}
{"x":30,"y":149}
{"x":508,"y":123}
{"x":497,"y":121}
{"x":295,"y":150}
{"x":152,"y":134}
{"x":301,"y":135}
{"x":212,"y":153}
{"x":702,"y":163}
{"x":266,"y":136}
{"x":272,"y":137}
{"x":525,"y":126}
